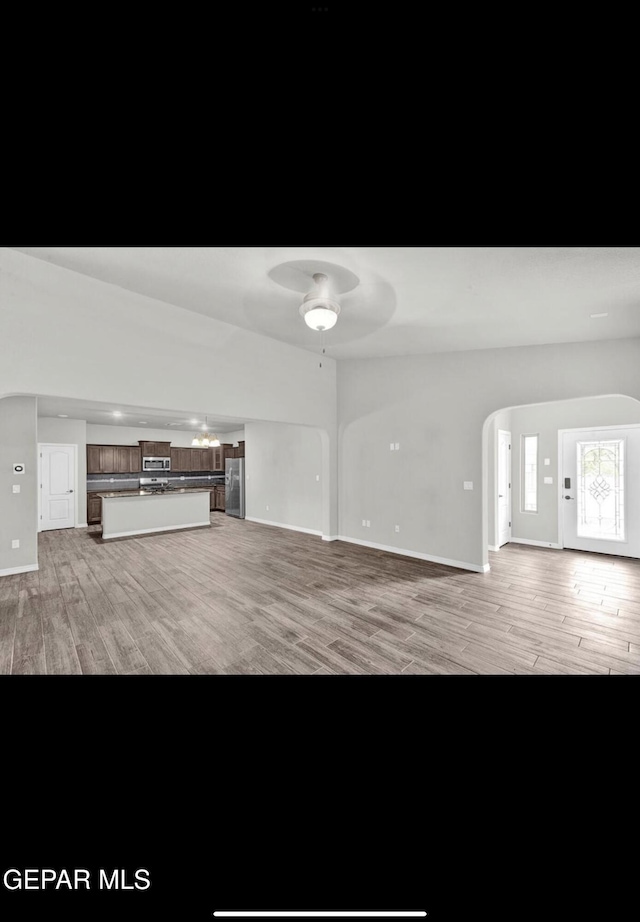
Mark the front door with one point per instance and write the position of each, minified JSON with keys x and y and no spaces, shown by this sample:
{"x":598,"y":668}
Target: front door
{"x":57,"y":491}
{"x":504,"y":487}
{"x":601,"y":491}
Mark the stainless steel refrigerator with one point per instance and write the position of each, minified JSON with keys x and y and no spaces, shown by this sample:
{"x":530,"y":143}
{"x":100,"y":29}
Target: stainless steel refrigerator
{"x":234,"y":487}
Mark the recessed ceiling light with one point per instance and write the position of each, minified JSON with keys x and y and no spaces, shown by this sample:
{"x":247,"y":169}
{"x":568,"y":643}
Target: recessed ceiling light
{"x":195,"y":422}
{"x":142,"y":423}
{"x":117,"y":414}
{"x":62,"y":416}
{"x":596,"y":316}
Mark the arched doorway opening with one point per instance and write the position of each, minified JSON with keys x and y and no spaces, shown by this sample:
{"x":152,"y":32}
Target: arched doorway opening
{"x":537,"y":468}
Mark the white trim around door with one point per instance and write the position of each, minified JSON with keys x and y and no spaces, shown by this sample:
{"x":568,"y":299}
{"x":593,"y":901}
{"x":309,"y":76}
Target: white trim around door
{"x":41,"y":446}
{"x":503,"y":487}
{"x":607,"y":547}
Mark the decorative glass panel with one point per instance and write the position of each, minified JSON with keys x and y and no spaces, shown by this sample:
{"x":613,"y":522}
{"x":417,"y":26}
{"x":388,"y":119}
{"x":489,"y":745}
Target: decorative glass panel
{"x":601,"y":490}
{"x":530,"y":473}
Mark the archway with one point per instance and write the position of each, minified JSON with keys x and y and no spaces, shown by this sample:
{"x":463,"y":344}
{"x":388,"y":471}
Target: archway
{"x":544,"y":420}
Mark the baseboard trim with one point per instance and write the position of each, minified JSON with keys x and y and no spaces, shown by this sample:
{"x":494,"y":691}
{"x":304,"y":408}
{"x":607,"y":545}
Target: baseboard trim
{"x":14,"y":571}
{"x":156,"y":531}
{"x":82,"y":526}
{"x":555,"y":547}
{"x":493,"y":547}
{"x":330,"y":538}
{"x":445,"y":561}
{"x":304,"y":531}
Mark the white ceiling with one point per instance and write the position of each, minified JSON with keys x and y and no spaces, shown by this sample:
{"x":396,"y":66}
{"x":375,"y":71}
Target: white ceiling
{"x":100,"y":414}
{"x":410,"y":300}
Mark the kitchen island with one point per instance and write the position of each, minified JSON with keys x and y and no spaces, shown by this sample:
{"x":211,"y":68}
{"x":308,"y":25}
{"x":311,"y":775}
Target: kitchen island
{"x":141,"y":512}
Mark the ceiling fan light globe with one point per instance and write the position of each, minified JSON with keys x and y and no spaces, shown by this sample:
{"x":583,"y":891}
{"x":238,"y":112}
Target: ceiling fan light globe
{"x":320,"y":314}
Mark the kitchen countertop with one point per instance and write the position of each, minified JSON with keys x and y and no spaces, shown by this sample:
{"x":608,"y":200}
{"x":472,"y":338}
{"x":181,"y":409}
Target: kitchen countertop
{"x":151,"y":493}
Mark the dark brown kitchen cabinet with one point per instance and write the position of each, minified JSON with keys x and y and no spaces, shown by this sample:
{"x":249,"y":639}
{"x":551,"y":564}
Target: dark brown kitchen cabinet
{"x":240,"y":449}
{"x":94,"y":509}
{"x":113,"y":459}
{"x":155,"y":449}
{"x":220,"y":499}
{"x":218,"y":459}
{"x":109,"y":460}
{"x":181,"y":460}
{"x":135,"y":461}
{"x":212,"y":500}
{"x":202,"y":459}
{"x":94,"y":459}
{"x":123,"y":461}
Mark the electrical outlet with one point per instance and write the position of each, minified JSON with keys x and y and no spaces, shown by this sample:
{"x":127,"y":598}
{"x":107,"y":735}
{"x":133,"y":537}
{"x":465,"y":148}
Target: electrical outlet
{"x":16,"y":488}
{"x":267,"y":508}
{"x":397,"y":529}
{"x":317,"y":478}
{"x":368,"y":524}
{"x":548,"y":480}
{"x":183,"y":478}
{"x":468,"y":485}
{"x":364,"y":523}
{"x":397,"y":446}
{"x":15,"y":545}
{"x":393,"y":446}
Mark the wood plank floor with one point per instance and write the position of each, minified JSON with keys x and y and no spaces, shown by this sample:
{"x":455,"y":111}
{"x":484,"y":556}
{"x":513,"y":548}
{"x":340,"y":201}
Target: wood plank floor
{"x":245,"y":599}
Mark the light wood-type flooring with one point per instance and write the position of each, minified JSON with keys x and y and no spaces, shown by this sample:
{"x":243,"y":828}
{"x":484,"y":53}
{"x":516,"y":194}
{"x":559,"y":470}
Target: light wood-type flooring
{"x":247,"y":599}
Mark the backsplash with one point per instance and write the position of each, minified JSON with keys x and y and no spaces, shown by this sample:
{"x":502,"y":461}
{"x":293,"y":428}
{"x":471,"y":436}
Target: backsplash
{"x":97,"y":483}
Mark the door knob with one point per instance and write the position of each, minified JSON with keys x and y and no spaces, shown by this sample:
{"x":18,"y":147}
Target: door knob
{"x":568,"y":497}
{"x":501,"y":496}
{"x":70,"y":491}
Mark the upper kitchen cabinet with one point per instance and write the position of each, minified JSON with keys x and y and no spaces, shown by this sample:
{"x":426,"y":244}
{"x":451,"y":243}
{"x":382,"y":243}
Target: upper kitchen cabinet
{"x":94,"y":459}
{"x":155,"y":449}
{"x":128,"y":461}
{"x":240,"y":450}
{"x":218,"y":458}
{"x":181,"y":460}
{"x":113,"y":459}
{"x":201,"y":459}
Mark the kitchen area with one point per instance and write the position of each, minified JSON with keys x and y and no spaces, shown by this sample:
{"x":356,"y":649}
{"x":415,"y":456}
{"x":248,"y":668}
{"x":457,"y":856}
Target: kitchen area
{"x":155,"y":486}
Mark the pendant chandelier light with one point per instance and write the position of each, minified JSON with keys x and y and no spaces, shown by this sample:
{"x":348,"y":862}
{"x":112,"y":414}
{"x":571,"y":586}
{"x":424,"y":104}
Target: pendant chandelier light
{"x":320,"y":309}
{"x":207,"y":439}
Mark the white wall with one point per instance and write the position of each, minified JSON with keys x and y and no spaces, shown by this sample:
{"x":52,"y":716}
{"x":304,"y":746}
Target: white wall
{"x":18,"y":512}
{"x":69,"y":432}
{"x":67,"y":335}
{"x":436,"y":407}
{"x":282,"y":463}
{"x":131,"y":435}
{"x":500,"y":421}
{"x":232,"y":438}
{"x":63,"y":334}
{"x":545,"y":420}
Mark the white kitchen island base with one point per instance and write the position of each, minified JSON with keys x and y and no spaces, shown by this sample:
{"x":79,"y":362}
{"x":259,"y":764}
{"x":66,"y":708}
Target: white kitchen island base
{"x":146,"y":514}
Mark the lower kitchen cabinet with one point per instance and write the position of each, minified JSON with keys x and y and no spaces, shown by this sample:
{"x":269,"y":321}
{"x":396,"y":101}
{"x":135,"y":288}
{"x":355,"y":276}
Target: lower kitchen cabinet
{"x":94,"y":509}
{"x":220,"y":499}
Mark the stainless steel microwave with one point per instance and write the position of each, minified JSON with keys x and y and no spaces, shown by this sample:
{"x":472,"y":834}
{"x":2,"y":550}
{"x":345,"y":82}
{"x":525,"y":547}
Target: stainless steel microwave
{"x":156,"y":464}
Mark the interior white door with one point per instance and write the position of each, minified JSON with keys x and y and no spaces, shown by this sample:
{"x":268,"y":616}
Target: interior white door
{"x":601,"y":491}
{"x":504,"y":487}
{"x":58,"y":482}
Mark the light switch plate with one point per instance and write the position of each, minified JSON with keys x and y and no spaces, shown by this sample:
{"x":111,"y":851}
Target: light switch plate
{"x":468,"y":485}
{"x":397,"y":446}
{"x":393,"y":446}
{"x":547,"y":462}
{"x":15,"y":545}
{"x":548,"y":480}
{"x":16,"y":488}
